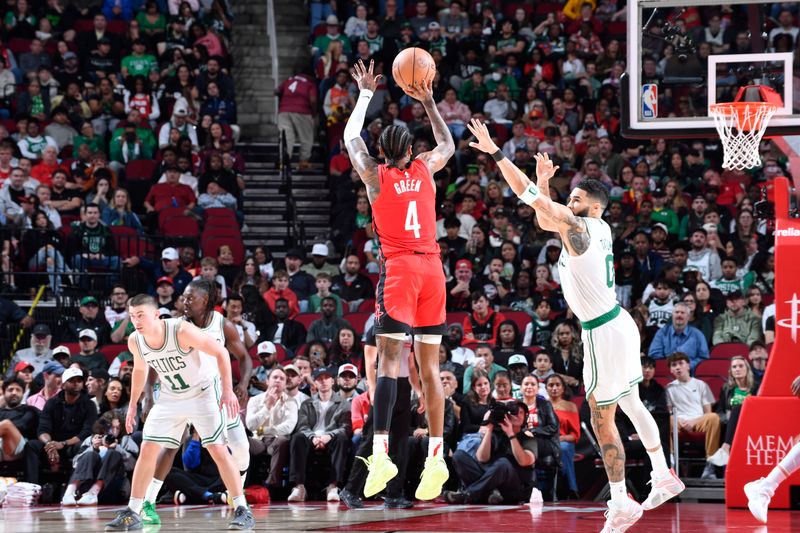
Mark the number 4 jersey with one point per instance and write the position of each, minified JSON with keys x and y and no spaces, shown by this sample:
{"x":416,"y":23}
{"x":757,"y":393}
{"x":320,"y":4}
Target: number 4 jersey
{"x":181,"y":373}
{"x":588,"y":279}
{"x":404,"y":214}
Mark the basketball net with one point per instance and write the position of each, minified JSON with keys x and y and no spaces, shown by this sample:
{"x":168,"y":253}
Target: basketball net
{"x":741,"y":126}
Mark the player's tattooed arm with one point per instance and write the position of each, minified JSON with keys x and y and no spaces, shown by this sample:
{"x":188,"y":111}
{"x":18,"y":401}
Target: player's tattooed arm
{"x":437,"y":158}
{"x":365,"y":165}
{"x":578,"y":237}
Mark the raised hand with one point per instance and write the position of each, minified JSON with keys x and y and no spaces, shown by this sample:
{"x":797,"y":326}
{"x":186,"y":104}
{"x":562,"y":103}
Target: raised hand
{"x":544,"y":167}
{"x":421,"y":91}
{"x":481,"y":133}
{"x":365,"y":78}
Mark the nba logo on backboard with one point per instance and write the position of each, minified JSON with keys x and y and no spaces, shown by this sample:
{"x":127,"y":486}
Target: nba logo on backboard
{"x":649,"y":100}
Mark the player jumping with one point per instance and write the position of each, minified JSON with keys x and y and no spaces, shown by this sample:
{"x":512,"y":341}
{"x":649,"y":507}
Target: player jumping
{"x":760,"y":492}
{"x":411,"y":291}
{"x":610,"y":337}
{"x":193,"y":392}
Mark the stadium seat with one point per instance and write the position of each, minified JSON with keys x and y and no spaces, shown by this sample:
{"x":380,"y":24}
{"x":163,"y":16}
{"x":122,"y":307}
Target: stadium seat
{"x":357,"y":320}
{"x":181,"y":226}
{"x":715,"y":383}
{"x":727,"y":350}
{"x":140,"y":169}
{"x":165,"y":215}
{"x":662,"y":368}
{"x":307,"y":318}
{"x":664,"y":380}
{"x":456,"y":317}
{"x":210,"y":247}
{"x":111,"y":351}
{"x":19,"y":46}
{"x":712,"y":367}
{"x":73,"y":347}
{"x":767,"y":299}
{"x":129,"y":243}
{"x":367,"y":306}
{"x":520,"y":318}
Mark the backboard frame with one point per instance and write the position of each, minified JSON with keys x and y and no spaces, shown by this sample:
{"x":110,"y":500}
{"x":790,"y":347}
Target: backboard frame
{"x":633,"y":126}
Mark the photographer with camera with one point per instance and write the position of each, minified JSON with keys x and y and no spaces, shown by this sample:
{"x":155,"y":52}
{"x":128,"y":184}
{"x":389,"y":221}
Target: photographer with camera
{"x":102,"y":463}
{"x":128,"y":147}
{"x":502,"y":469}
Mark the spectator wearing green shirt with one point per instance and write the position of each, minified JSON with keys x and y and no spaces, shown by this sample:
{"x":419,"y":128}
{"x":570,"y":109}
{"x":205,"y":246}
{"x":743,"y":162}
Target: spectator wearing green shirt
{"x":321,"y":43}
{"x":144,"y":134}
{"x":89,"y":138}
{"x":473,"y":91}
{"x":663,"y":214}
{"x":500,"y":76}
{"x":152,"y":23}
{"x":731,"y":279}
{"x":323,"y":284}
{"x":138,"y":63}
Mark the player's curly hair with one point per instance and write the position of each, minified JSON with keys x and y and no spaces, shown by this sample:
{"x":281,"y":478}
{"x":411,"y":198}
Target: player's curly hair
{"x":395,"y":141}
{"x":208,"y":287}
{"x":595,"y":190}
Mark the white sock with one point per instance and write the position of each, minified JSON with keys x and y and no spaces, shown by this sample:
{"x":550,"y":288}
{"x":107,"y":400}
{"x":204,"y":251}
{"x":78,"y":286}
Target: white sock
{"x":380,"y":443}
{"x":647,"y":430}
{"x":435,"y":446}
{"x":152,"y":490}
{"x":239,"y":501}
{"x":135,"y":505}
{"x":72,"y":488}
{"x":785,"y":468}
{"x":618,"y":491}
{"x":95,"y":490}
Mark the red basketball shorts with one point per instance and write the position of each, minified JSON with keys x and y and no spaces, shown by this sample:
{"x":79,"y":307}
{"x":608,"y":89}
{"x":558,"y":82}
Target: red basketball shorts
{"x":411,"y":295}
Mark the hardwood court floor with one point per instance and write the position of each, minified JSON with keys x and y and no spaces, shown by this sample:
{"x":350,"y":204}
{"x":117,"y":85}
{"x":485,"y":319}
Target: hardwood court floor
{"x":556,"y":518}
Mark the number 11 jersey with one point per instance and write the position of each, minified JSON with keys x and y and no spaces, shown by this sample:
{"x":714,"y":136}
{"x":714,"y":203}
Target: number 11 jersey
{"x":404,"y":214}
{"x":181,"y":373}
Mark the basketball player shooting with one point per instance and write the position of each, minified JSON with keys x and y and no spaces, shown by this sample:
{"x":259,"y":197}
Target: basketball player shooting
{"x":411,"y":291}
{"x":612,"y":345}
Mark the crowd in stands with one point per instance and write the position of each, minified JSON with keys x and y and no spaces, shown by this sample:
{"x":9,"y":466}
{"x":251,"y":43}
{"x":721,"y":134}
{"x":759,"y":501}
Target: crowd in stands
{"x":693,"y":265}
{"x":113,"y":113}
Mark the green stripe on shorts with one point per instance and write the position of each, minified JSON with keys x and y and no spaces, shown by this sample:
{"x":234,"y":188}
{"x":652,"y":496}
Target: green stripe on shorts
{"x":592,"y":359}
{"x":168,"y":440}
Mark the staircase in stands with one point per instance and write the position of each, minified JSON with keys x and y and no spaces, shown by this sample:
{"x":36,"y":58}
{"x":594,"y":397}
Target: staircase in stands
{"x":268,"y":214}
{"x":252,"y":71}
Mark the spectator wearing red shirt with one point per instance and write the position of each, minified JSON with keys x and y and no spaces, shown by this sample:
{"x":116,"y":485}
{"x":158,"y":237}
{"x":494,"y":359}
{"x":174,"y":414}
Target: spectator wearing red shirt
{"x":298,"y":99}
{"x":483,"y":323}
{"x":43,"y":171}
{"x":280,"y":289}
{"x":170,"y":194}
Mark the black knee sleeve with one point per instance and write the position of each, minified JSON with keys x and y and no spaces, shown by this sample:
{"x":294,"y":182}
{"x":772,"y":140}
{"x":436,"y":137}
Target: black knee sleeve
{"x":385,"y":396}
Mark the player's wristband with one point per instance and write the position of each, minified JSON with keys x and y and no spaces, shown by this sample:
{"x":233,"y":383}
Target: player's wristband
{"x":530,"y":194}
{"x":365,"y":92}
{"x":498,"y":155}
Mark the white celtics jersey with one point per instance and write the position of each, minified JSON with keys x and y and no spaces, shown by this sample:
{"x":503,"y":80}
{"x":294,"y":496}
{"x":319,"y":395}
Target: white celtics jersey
{"x":180,"y":372}
{"x":215,"y":329}
{"x":588,"y":279}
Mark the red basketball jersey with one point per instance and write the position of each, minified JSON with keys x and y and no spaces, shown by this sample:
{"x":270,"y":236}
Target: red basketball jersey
{"x":404,"y":214}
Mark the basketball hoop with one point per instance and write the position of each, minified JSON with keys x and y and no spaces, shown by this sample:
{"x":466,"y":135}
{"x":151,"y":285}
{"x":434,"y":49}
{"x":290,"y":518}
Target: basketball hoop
{"x":741,"y":125}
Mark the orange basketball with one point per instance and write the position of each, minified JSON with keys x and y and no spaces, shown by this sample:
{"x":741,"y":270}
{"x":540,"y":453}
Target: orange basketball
{"x":413,"y":65}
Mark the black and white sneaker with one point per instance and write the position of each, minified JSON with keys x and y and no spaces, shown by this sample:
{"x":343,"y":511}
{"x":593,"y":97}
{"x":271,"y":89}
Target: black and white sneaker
{"x":397,"y":503}
{"x":242,"y":519}
{"x":352,"y":501}
{"x":126,"y":520}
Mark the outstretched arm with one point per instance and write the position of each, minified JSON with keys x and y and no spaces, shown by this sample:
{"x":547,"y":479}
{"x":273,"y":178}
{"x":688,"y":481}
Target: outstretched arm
{"x":445,"y":147}
{"x":561,"y":217}
{"x":364,"y":163}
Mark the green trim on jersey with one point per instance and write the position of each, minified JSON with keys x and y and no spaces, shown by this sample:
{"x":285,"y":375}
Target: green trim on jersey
{"x":593,"y":361}
{"x":150,"y":349}
{"x":169,"y":440}
{"x":221,"y":426}
{"x":605,"y":318}
{"x":178,"y":344}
